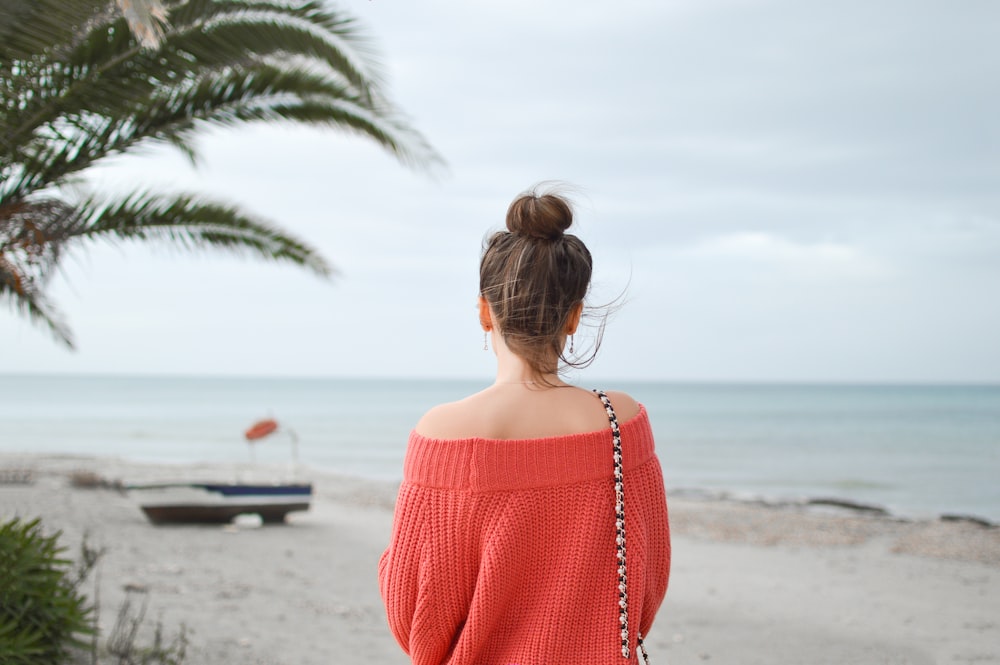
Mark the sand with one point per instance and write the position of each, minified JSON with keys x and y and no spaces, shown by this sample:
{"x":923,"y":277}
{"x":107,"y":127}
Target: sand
{"x":750,"y":583}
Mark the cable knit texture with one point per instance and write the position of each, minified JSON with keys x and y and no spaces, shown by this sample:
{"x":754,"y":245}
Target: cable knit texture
{"x":503,"y":551}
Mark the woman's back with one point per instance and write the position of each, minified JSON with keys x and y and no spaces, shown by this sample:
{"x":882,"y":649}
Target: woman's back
{"x":509,"y":539}
{"x":503,"y":548}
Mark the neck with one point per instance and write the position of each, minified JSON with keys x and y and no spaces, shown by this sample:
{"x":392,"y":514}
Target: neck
{"x":513,"y":370}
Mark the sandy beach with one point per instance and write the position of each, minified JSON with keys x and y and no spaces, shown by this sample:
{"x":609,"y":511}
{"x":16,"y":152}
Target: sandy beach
{"x":751,"y":583}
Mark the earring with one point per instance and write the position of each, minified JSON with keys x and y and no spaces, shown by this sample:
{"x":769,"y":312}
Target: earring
{"x":485,"y":347}
{"x":571,"y":343}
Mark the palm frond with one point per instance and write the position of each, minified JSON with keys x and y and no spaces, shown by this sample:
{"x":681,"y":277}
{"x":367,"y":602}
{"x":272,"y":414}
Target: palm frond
{"x":81,"y":80}
{"x":192,"y":222}
{"x":331,"y":39}
{"x":32,"y":238}
{"x":33,"y":304}
{"x":110,"y":94}
{"x":30,"y":27}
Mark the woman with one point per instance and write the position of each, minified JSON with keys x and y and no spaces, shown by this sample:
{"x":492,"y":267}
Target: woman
{"x":513,"y":540}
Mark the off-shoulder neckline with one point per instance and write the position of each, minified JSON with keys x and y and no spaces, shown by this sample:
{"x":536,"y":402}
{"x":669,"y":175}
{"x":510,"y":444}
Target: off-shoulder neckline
{"x":641,"y":413}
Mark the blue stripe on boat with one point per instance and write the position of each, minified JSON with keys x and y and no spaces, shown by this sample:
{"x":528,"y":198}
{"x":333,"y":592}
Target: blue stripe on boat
{"x":258,"y":490}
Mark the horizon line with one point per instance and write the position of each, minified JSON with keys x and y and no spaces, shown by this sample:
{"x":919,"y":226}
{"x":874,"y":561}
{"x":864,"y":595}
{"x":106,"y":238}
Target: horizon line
{"x":804,"y":382}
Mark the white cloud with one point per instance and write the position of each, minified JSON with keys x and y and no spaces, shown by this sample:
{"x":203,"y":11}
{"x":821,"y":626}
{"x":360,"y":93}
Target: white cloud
{"x":754,"y":249}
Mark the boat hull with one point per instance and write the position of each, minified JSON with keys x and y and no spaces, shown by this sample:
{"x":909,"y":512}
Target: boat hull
{"x":219,"y":503}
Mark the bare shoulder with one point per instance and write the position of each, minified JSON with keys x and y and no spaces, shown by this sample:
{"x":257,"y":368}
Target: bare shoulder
{"x":447,"y":421}
{"x":508,"y":413}
{"x":437,"y":421}
{"x":625,"y":406}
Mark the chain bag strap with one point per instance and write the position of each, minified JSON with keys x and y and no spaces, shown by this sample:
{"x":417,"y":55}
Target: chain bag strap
{"x":616,"y":440}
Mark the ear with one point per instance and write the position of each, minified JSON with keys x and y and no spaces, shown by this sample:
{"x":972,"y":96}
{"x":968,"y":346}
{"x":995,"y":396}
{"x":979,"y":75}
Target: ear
{"x":573,"y":322}
{"x":485,"y":318}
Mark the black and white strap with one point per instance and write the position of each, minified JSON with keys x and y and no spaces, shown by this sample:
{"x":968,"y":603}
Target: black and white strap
{"x":616,"y":441}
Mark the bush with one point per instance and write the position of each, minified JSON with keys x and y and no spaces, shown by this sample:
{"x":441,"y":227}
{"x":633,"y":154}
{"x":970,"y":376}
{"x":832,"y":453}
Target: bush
{"x":44,"y":619}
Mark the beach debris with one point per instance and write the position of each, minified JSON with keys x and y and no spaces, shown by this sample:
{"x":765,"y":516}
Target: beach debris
{"x":244,"y":521}
{"x":248,"y":521}
{"x":17,"y":476}
{"x":84,"y":479}
{"x":90,"y":480}
{"x":847,"y":504}
{"x":971,"y":519}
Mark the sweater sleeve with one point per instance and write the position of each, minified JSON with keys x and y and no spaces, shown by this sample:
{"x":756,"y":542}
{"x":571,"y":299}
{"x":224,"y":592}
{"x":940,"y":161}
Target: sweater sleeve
{"x":423,"y":573}
{"x":398,"y":568}
{"x":657,"y":535}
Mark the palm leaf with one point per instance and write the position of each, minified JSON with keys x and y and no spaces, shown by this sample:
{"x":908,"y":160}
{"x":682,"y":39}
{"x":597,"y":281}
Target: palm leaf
{"x":32,"y":237}
{"x":30,"y":27}
{"x":192,"y":222}
{"x":113,"y":95}
{"x":81,"y":80}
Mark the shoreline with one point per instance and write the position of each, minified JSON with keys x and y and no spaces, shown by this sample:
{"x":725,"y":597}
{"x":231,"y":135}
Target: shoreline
{"x":829,"y":503}
{"x":750,"y":584}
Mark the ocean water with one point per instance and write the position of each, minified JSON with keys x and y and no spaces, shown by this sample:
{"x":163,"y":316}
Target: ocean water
{"x":915,"y":450}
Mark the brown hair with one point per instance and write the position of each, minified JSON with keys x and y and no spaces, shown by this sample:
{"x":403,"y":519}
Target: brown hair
{"x":533,"y":275}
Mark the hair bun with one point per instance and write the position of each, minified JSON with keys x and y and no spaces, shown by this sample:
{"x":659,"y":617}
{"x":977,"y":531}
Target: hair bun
{"x":544,"y":216}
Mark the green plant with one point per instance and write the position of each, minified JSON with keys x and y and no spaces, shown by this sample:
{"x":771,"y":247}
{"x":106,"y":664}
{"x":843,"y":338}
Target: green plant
{"x":124,"y":647}
{"x":44,"y":619}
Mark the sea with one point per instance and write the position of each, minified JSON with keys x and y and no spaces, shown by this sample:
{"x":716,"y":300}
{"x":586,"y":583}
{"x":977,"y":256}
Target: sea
{"x":915,"y":450}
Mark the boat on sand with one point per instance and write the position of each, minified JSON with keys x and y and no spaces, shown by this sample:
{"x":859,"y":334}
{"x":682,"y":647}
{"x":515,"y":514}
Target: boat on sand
{"x":200,"y":502}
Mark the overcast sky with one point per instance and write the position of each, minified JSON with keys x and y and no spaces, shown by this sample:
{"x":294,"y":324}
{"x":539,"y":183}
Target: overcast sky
{"x":786,"y":190}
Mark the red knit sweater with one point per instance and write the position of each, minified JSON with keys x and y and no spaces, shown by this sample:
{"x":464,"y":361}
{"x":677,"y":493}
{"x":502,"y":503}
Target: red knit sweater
{"x":503,"y":551}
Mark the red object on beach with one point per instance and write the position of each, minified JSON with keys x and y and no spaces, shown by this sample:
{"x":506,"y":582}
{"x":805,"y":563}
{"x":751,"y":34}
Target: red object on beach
{"x":260,"y":429}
